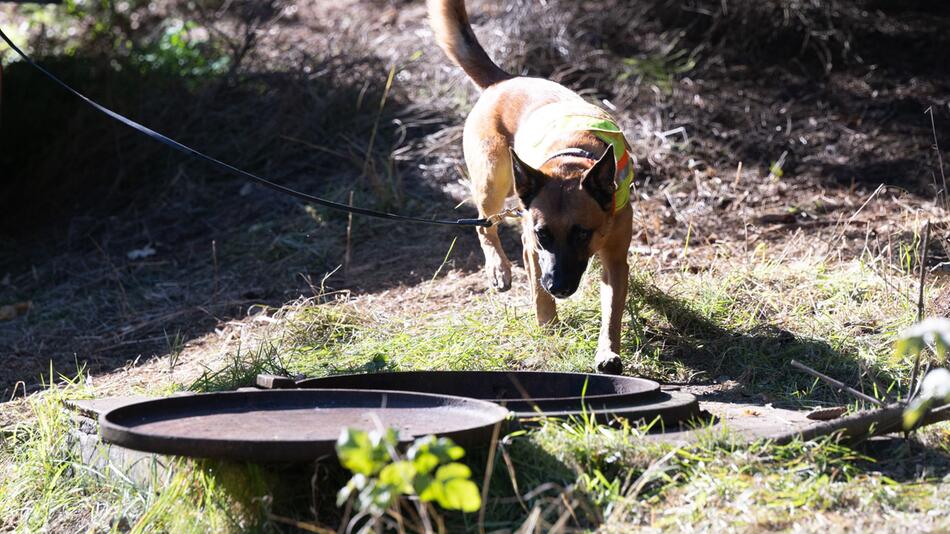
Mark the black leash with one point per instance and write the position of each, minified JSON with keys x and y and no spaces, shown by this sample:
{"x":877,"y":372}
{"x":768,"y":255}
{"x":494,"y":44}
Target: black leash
{"x":234,"y":170}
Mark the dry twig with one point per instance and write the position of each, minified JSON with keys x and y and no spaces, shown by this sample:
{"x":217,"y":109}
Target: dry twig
{"x":840,"y":386}
{"x":920,"y":305}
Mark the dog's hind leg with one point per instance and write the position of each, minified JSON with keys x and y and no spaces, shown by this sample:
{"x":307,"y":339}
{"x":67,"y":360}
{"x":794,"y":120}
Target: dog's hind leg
{"x":489,"y":168}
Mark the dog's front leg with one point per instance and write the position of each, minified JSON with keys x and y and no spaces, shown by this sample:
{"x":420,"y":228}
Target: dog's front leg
{"x":497,"y":265}
{"x":613,"y":296}
{"x":544,"y":305}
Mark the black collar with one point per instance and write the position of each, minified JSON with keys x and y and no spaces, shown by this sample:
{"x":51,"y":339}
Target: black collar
{"x":573,"y":152}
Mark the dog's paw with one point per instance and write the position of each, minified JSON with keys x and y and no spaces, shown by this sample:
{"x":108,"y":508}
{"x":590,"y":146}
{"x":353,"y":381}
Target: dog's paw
{"x":499,"y":276}
{"x":608,"y":363}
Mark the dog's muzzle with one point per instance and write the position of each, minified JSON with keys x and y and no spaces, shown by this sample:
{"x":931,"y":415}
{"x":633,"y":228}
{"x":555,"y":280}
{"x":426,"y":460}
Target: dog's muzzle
{"x":557,"y":286}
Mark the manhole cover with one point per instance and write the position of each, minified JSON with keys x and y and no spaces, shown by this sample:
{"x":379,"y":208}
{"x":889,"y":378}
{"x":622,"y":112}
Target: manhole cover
{"x":532,"y":394}
{"x":290,"y":425}
{"x":519,"y":391}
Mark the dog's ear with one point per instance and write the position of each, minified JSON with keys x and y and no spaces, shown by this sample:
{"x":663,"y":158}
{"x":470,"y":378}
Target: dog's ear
{"x":599,"y":180}
{"x":528,"y":181}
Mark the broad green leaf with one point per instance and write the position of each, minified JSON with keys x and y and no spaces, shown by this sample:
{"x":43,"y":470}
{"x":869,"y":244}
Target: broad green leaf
{"x":906,"y":347}
{"x":452,"y":471}
{"x":455,"y":452}
{"x":355,"y":451}
{"x":443,"y":448}
{"x":383,"y":497}
{"x":427,"y":488}
{"x":934,"y":390}
{"x":425,"y":462}
{"x":390,"y":437}
{"x":446,"y":450}
{"x":913,"y":414}
{"x":358,"y":482}
{"x":933,"y":331}
{"x":362,"y":452}
{"x":458,"y":494}
{"x":936,"y":385}
{"x":420,"y":446}
{"x":399,"y":475}
{"x":376,"y":499}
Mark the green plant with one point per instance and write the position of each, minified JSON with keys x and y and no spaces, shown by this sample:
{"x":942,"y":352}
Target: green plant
{"x":934,"y":391}
{"x":382,"y":478}
{"x":183,"y":49}
{"x":182,"y":43}
{"x":240,"y":369}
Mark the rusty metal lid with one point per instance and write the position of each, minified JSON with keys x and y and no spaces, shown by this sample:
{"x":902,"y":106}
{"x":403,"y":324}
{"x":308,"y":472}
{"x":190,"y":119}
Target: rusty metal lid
{"x":290,"y":425}
{"x":519,"y":391}
{"x":666,"y":411}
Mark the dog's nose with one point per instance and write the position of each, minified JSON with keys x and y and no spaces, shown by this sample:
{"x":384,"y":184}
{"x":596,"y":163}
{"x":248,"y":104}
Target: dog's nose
{"x":556,"y":288}
{"x":561,"y":293}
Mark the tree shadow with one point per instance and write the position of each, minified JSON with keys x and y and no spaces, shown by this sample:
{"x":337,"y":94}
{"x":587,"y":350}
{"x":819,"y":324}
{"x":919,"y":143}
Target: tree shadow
{"x":128,"y":250}
{"x":904,"y":460}
{"x":753,"y":364}
{"x":534,"y":477}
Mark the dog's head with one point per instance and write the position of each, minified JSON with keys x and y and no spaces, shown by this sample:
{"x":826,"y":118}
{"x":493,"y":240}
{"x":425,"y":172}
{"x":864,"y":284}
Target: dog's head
{"x":568,"y":207}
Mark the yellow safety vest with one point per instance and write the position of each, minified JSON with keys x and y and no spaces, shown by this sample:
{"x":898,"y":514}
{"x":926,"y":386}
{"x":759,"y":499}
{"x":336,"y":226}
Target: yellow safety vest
{"x":549,"y":123}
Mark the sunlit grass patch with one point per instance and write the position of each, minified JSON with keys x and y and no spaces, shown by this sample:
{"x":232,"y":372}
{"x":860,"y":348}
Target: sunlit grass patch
{"x":483,"y":336}
{"x":764,"y":486}
{"x":744,"y":323}
{"x":748,"y":322}
{"x":631,"y":483}
{"x":37,"y":464}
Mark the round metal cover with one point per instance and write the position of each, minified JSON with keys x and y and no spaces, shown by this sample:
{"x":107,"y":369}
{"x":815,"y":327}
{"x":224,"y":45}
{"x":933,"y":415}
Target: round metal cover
{"x":290,"y":425}
{"x":519,"y":391}
{"x":667,"y":410}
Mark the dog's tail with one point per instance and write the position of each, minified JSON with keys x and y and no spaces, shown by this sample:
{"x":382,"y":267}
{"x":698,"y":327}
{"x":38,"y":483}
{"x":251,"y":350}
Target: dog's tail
{"x":454,"y":34}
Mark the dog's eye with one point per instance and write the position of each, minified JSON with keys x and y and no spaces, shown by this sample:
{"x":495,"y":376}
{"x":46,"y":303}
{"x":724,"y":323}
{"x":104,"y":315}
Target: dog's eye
{"x":544,"y":236}
{"x":581,"y":234}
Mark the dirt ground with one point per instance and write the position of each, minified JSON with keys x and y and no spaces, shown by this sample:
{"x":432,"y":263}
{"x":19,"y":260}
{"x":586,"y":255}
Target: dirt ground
{"x":712,"y":101}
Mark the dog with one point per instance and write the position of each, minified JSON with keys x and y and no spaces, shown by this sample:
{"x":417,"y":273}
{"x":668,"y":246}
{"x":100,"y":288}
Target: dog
{"x":570,"y":168}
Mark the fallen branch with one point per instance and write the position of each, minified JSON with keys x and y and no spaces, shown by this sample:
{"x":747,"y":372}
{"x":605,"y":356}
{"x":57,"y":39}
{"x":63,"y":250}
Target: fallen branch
{"x":863,"y":425}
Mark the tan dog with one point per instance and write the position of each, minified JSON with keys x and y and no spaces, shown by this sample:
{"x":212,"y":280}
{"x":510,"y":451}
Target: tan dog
{"x":560,"y":155}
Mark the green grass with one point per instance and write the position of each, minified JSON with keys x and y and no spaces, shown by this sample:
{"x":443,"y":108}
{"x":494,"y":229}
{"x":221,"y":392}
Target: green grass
{"x":744,"y":323}
{"x":767,"y":487}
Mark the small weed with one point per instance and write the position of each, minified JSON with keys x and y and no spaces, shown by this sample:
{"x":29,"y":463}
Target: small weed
{"x":240,"y":369}
{"x":175,"y":345}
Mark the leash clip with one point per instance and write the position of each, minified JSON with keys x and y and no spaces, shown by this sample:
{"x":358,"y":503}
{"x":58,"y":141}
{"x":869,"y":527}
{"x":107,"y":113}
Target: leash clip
{"x":512,"y":213}
{"x":492,"y":220}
